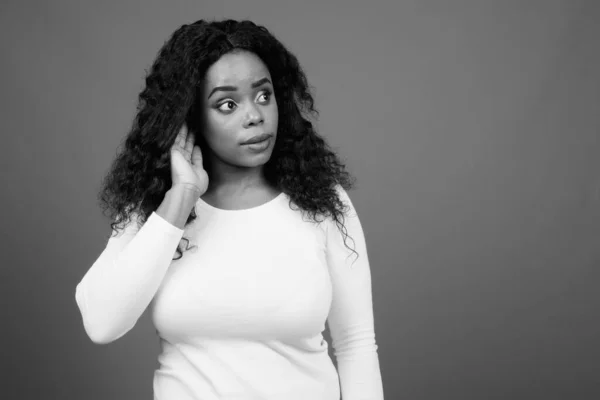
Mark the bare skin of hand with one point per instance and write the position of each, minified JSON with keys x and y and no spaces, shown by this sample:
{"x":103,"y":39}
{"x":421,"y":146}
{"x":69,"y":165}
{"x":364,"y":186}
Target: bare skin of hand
{"x":186,"y":162}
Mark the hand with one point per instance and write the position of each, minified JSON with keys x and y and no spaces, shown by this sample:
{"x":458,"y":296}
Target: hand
{"x":186,"y":162}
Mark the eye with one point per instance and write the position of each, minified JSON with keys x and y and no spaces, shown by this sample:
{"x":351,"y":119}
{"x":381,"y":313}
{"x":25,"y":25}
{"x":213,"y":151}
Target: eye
{"x":227,"y":106}
{"x":266,"y":95}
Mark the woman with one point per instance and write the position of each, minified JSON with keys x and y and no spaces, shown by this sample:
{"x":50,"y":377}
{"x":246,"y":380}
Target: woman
{"x":221,"y":155}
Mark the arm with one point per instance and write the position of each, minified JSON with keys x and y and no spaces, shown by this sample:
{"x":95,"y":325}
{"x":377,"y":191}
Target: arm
{"x":121,"y":283}
{"x":350,"y":319}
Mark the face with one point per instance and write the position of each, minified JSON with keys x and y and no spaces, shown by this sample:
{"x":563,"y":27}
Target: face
{"x":239,"y":104}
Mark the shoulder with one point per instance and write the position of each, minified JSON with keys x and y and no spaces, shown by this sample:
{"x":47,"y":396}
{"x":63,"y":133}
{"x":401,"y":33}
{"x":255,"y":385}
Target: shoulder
{"x":128,"y":224}
{"x":348,"y":212}
{"x":344,"y":196}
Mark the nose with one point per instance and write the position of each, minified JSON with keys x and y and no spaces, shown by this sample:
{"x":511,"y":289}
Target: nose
{"x":253,"y":116}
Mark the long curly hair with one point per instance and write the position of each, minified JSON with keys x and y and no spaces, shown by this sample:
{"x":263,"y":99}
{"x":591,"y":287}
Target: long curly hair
{"x":302,"y":164}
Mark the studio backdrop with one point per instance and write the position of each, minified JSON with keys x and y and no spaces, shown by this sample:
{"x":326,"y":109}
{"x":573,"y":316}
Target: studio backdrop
{"x":472,"y":128}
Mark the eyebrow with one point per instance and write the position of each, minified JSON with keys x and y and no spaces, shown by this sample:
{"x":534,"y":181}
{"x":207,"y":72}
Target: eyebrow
{"x":233,"y":88}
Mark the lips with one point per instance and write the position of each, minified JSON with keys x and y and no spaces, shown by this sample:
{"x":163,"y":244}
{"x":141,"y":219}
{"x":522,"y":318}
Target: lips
{"x":258,"y":138}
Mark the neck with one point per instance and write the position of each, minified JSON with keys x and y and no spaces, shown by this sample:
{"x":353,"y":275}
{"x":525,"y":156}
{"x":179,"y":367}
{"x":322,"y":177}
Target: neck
{"x":236,"y":179}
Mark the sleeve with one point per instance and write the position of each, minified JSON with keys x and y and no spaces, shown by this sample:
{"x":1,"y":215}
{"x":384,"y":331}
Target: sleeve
{"x":350,"y":319}
{"x":121,"y":283}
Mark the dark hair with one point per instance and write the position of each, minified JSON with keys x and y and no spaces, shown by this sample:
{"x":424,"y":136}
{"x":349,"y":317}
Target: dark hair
{"x":302,"y":164}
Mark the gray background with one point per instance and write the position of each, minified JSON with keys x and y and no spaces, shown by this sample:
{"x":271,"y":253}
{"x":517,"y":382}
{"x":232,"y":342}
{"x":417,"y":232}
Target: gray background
{"x":473,"y":130}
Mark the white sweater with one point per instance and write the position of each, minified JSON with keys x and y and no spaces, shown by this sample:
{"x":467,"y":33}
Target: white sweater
{"x":241,"y":315}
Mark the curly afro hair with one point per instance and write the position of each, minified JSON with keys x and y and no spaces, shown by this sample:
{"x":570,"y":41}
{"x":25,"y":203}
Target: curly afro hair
{"x":302,"y":164}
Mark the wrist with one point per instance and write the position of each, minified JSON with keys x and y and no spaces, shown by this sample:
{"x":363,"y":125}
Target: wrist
{"x":177,"y":204}
{"x":186,"y":189}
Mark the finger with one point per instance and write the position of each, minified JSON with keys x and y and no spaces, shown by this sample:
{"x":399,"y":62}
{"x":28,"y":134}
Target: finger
{"x":180,"y":139}
{"x":183,"y":130}
{"x":197,"y":156}
{"x":189,"y":143}
{"x":183,"y":133}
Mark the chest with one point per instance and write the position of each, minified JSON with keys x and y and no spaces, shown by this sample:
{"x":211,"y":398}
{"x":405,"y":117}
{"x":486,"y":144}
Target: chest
{"x":247,"y":278}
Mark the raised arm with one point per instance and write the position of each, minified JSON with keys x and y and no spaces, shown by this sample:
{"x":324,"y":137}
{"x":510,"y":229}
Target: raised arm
{"x":121,"y":283}
{"x":350,"y":319}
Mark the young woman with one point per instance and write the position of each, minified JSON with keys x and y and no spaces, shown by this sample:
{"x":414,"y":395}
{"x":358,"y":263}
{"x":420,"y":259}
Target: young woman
{"x":222,"y":158}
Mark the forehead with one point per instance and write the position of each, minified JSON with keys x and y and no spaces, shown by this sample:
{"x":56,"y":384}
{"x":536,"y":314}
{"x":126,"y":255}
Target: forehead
{"x":236,"y":69}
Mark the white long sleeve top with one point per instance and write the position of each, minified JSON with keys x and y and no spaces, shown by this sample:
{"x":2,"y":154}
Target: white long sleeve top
{"x":241,"y":314}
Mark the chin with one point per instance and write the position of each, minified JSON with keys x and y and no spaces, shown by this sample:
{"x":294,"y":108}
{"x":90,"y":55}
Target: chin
{"x":259,"y":160}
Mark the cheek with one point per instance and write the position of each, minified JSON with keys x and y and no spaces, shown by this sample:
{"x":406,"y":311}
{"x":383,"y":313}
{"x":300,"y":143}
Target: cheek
{"x":219,"y":130}
{"x":217,"y":126}
{"x":273,"y":114}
